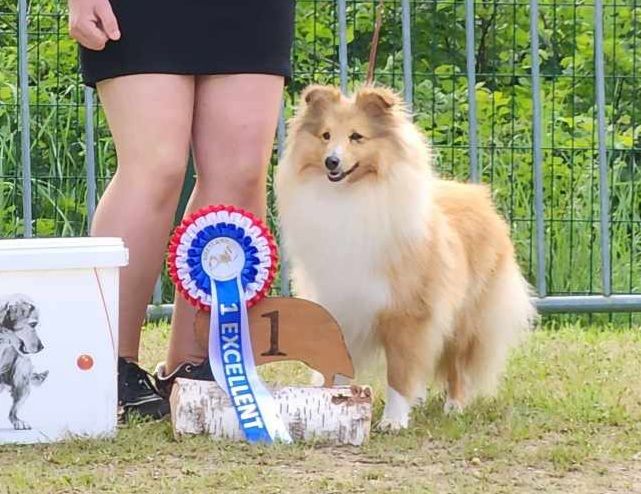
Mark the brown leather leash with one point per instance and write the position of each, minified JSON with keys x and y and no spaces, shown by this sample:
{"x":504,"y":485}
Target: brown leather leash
{"x":371,"y":65}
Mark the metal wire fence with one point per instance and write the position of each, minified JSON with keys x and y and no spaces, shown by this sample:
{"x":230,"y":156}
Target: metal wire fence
{"x":537,"y":99}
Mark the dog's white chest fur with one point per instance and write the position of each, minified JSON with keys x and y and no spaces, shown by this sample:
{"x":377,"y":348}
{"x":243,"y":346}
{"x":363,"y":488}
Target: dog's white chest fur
{"x":337,"y":260}
{"x":339,"y":242}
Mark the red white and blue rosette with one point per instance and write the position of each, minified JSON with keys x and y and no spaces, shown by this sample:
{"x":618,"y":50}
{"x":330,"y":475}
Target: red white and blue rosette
{"x":197,"y":232}
{"x":223,"y":260}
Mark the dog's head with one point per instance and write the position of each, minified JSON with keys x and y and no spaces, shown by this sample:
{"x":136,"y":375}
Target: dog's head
{"x":19,"y":318}
{"x":349,"y":140}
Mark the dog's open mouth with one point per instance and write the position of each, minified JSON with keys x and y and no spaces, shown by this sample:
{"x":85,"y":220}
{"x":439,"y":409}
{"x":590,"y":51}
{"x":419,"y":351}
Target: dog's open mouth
{"x":338,"y":174}
{"x":24,"y":350}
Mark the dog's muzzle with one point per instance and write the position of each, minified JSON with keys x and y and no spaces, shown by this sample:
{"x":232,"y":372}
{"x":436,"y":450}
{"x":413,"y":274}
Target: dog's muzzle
{"x":26,"y":351}
{"x":337,"y":174}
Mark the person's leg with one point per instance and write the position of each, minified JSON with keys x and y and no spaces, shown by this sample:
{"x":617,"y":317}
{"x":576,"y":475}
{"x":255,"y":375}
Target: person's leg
{"x":235,"y":120}
{"x":150,"y":117}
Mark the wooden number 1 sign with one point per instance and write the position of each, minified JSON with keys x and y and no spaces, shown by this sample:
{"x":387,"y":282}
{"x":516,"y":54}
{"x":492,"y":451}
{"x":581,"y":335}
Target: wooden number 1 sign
{"x":292,"y":329}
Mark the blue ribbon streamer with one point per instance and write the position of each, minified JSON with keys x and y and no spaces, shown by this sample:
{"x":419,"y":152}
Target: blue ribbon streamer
{"x":232,"y":356}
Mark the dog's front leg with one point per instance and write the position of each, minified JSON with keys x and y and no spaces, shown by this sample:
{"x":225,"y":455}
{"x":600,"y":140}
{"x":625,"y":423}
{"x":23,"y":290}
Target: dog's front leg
{"x":19,"y":393}
{"x":408,"y":366}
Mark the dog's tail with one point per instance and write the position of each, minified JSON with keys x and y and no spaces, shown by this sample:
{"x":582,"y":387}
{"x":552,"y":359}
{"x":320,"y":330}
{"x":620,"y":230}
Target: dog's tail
{"x":37,"y":378}
{"x":504,"y":317}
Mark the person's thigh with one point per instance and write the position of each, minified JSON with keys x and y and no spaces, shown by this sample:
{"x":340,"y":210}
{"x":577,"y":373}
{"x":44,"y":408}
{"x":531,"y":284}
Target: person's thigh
{"x":150,"y":118}
{"x":235,"y":120}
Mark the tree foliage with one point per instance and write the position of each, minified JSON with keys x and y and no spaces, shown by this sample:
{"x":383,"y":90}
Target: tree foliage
{"x":504,"y":115}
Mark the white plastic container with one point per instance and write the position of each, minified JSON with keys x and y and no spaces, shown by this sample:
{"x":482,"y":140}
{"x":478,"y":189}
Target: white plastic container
{"x":58,"y":338}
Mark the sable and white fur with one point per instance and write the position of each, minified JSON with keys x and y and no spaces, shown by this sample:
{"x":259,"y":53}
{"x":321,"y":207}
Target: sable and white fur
{"x":407,"y":263}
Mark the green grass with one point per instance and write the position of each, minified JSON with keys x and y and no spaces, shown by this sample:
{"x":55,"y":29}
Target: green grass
{"x":567,"y":419}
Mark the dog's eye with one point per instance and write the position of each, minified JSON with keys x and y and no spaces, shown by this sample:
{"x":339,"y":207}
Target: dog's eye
{"x":355,"y":136}
{"x":326,"y":136}
{"x":33,"y":324}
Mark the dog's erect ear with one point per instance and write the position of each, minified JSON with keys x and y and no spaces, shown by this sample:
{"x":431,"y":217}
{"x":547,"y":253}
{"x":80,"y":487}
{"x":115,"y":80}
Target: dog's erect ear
{"x":317,"y":97}
{"x":6,"y":318}
{"x":378,"y":101}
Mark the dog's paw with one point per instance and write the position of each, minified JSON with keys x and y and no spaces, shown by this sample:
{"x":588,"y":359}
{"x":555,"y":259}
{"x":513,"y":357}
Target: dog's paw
{"x":340,"y":380}
{"x":388,"y":424}
{"x":396,"y":415}
{"x":20,"y":425}
{"x":452,"y":407}
{"x":420,"y":399}
{"x":316,"y":379}
{"x":37,"y":378}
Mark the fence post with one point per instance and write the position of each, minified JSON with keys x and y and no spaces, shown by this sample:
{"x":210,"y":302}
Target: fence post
{"x":25,"y":118}
{"x":156,"y":298}
{"x":407,"y":54}
{"x":471,"y":88}
{"x":604,"y":192}
{"x":284,"y":266}
{"x":537,"y":160}
{"x":90,"y":158}
{"x":342,"y":43}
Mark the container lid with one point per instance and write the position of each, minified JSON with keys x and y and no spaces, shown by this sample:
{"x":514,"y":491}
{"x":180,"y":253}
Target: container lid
{"x":62,"y":253}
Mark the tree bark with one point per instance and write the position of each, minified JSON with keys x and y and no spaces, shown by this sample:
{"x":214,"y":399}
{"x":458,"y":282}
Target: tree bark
{"x":338,"y":415}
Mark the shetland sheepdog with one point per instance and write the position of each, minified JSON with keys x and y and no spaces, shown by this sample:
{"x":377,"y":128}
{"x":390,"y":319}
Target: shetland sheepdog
{"x":416,"y":266}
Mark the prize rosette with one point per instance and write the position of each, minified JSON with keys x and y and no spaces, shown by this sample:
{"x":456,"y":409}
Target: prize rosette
{"x":223,"y":260}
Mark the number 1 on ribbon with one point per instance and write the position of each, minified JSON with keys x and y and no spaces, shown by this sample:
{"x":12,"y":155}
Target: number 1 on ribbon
{"x":224,"y":309}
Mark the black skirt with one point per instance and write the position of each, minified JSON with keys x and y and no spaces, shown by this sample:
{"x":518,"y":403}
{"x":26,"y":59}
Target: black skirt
{"x":195,"y":37}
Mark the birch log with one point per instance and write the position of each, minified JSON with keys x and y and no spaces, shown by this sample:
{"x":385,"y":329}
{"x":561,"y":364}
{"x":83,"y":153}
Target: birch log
{"x":339,"y":415}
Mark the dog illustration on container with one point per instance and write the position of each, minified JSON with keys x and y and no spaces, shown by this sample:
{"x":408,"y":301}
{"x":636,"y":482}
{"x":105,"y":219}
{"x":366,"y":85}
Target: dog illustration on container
{"x":19,"y":320}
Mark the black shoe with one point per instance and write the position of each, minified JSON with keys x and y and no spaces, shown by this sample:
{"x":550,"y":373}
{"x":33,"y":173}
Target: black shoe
{"x":186,"y":370}
{"x":136,"y":393}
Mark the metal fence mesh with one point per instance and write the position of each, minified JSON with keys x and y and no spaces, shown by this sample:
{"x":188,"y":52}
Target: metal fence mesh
{"x":585,"y":239}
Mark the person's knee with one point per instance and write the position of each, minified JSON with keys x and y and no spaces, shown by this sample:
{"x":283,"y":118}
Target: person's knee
{"x":244,"y":164}
{"x":252,"y":140}
{"x":243,"y":180}
{"x":158,"y":177}
{"x":247,"y":177}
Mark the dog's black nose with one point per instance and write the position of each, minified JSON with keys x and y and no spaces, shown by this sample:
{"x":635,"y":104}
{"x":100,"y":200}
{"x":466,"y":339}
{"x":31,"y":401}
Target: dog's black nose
{"x":40,"y":347}
{"x":332,"y":162}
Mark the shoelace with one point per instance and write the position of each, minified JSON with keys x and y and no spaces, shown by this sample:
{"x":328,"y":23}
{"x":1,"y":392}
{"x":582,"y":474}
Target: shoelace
{"x":144,"y":379}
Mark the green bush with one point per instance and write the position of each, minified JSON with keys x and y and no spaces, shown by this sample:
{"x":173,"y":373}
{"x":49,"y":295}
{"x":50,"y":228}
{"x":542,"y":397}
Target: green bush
{"x":503,"y":94}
